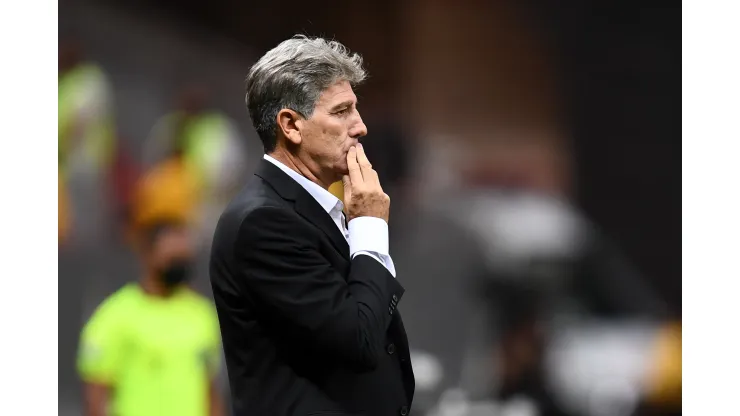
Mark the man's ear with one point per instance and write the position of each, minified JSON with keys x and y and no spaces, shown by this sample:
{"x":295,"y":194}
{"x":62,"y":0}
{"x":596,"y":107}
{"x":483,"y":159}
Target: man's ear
{"x":288,"y":122}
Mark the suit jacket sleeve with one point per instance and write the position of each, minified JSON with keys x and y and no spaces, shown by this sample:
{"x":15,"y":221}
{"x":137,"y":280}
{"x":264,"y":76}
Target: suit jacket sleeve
{"x":346,"y":317}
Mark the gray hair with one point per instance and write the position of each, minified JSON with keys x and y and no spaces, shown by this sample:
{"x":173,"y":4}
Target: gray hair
{"x":293,"y":75}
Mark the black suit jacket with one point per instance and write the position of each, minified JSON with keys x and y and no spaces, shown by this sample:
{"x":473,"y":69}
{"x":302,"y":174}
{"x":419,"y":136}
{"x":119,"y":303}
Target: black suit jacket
{"x":306,"y":330}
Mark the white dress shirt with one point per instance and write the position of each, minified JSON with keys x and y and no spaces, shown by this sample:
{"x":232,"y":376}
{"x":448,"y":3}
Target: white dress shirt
{"x":366,"y":235}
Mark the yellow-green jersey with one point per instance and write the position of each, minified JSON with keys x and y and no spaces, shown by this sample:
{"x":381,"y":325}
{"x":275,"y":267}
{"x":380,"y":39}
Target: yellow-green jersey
{"x":158,"y":355}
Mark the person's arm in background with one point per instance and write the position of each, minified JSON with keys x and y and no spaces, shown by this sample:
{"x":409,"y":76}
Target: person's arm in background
{"x":96,"y":399}
{"x":213,"y":364}
{"x":216,"y":402}
{"x":98,"y":359}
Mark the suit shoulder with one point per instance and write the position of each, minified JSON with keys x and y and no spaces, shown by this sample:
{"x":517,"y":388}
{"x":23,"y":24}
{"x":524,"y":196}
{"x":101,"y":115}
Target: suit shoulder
{"x":255,"y":195}
{"x":257,"y":204}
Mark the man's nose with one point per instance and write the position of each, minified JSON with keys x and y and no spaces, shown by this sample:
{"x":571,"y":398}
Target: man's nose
{"x":358,"y":129}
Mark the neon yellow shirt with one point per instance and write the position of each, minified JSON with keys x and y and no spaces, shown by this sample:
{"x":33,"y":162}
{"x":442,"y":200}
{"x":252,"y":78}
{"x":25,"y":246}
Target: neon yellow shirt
{"x":157,"y":354}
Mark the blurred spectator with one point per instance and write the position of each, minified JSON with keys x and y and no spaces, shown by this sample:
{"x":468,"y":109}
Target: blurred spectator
{"x":86,"y":137}
{"x":168,"y":190}
{"x":86,"y":134}
{"x":153,"y":347}
{"x":209,"y":145}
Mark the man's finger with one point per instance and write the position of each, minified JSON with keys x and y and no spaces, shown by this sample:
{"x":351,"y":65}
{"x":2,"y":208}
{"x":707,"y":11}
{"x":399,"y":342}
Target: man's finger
{"x":362,"y":158}
{"x":368,"y":174}
{"x":347,"y":182}
{"x":355,"y":174}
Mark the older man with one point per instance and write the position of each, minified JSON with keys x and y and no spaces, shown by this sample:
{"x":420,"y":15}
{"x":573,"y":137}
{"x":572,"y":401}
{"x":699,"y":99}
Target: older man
{"x":307,"y":294}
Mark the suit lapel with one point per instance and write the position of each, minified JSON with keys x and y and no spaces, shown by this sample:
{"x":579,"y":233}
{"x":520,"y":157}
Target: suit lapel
{"x":314,"y":213}
{"x":304,"y":203}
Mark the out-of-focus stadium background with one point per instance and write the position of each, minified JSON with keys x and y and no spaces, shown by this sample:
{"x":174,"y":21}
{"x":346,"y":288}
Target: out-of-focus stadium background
{"x":531,"y":150}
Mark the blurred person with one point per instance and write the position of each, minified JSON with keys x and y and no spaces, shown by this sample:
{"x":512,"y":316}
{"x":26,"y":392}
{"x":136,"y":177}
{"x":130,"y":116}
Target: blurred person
{"x":209,"y":145}
{"x":85,"y":119}
{"x":85,"y":144}
{"x":167,"y":190}
{"x":308,"y":303}
{"x":153,"y":347}
{"x":86,"y":138}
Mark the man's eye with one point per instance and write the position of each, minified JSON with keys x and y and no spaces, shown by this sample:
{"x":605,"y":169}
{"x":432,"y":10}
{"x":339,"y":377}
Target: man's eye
{"x":343,"y":111}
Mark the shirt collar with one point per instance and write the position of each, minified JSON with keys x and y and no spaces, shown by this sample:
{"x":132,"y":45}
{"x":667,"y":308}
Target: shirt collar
{"x":325,"y":198}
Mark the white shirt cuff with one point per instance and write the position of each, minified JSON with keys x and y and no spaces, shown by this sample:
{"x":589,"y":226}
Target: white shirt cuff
{"x":369,"y":235}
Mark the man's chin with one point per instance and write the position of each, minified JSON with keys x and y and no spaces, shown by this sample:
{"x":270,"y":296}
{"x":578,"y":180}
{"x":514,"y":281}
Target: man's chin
{"x":342,"y":170}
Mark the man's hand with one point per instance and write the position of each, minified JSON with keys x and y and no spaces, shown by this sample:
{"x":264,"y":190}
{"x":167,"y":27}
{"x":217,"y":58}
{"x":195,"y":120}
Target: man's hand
{"x":363,"y":195}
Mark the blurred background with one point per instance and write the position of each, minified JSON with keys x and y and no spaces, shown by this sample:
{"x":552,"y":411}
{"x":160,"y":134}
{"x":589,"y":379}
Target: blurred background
{"x":531,"y":150}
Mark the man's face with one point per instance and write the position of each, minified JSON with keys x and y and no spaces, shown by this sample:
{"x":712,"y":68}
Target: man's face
{"x":332,"y":129}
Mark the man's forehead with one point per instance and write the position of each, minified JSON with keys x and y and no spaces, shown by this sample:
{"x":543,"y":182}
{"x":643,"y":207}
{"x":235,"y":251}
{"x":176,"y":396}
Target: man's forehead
{"x":337,"y":93}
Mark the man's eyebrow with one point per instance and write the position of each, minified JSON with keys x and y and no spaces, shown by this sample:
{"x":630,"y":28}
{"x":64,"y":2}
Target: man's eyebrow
{"x":341,"y":105}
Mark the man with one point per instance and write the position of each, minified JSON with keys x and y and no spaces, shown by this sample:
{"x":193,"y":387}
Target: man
{"x":153,"y":348}
{"x":307,"y":304}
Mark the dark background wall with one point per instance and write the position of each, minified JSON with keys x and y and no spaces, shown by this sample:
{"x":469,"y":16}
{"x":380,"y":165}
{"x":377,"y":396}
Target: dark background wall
{"x":617,"y":66}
